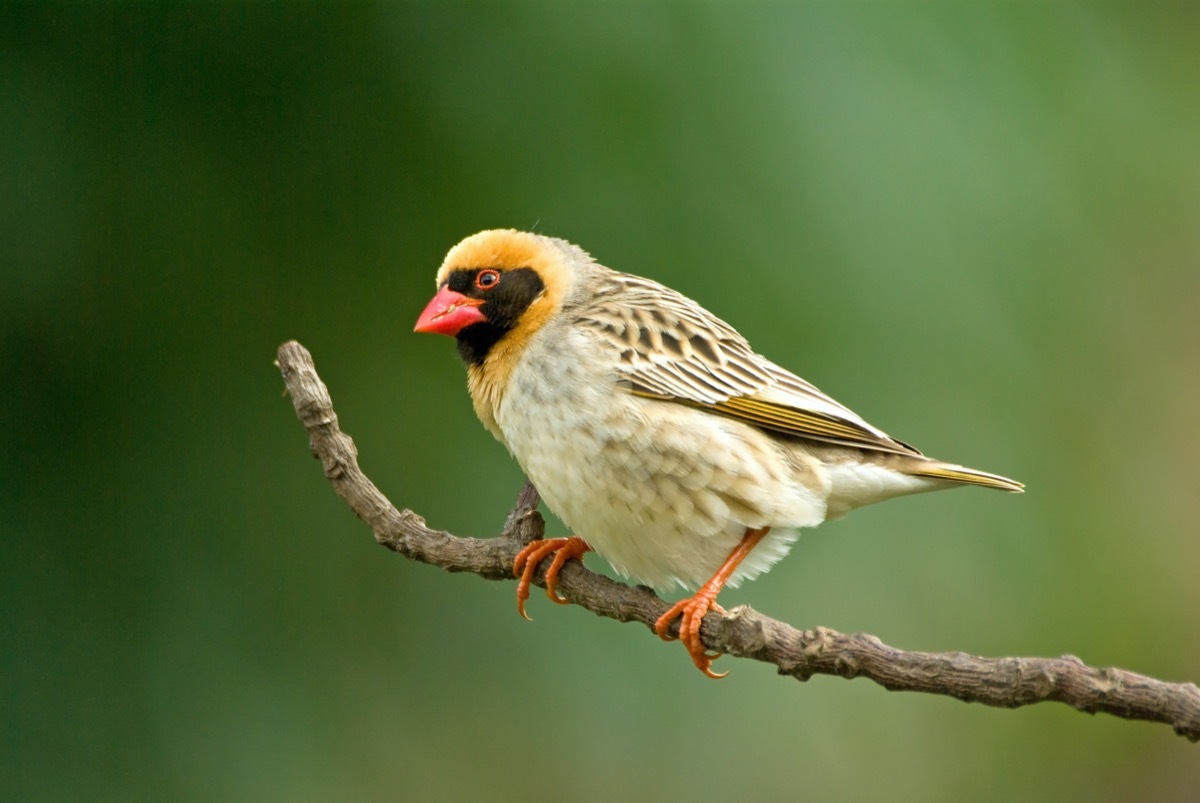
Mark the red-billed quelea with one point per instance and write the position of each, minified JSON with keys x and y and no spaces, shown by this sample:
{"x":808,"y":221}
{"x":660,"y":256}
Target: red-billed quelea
{"x":651,"y":427}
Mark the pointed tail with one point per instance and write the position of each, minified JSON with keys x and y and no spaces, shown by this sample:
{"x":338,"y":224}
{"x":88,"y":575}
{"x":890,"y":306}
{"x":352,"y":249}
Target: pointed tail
{"x":966,"y":476}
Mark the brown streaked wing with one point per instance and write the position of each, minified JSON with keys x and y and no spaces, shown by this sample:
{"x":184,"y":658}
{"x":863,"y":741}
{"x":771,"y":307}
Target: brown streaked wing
{"x":672,"y":349}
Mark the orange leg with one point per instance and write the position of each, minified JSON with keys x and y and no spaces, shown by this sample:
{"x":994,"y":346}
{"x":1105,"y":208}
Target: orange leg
{"x":527,"y":560}
{"x":693,"y":608}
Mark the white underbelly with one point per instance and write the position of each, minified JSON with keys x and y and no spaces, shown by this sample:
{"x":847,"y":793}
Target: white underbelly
{"x":662,"y":491}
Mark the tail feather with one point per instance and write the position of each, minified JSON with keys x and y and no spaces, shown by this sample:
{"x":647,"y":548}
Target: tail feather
{"x":966,"y":476}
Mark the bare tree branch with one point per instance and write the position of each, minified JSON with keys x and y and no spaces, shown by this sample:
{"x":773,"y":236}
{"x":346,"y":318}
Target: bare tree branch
{"x":1003,"y":682}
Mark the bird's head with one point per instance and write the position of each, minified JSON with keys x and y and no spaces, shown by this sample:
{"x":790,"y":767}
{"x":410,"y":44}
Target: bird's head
{"x":497,"y":285}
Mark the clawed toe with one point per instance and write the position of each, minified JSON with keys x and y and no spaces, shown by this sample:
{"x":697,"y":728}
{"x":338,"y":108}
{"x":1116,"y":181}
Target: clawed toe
{"x":691,"y":612}
{"x":526,"y":562}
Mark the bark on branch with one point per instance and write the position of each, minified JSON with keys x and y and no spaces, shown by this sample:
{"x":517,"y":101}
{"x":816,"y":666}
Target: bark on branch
{"x":1002,"y":682}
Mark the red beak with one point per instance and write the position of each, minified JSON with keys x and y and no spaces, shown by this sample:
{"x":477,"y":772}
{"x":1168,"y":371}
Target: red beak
{"x":448,"y":313}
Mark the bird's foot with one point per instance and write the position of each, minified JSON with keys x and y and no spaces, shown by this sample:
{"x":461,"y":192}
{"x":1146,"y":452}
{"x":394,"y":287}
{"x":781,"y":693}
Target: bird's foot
{"x":694,"y":607}
{"x":692,"y":611}
{"x":527,"y":560}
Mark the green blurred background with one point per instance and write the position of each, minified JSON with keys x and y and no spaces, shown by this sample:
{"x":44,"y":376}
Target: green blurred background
{"x":978,"y":225}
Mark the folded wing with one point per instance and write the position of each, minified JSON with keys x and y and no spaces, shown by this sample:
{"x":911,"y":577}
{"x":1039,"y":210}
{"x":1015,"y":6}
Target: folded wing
{"x":672,"y":349}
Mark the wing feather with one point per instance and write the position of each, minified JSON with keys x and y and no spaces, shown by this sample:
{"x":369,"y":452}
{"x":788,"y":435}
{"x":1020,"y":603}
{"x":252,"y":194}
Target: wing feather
{"x":672,"y":349}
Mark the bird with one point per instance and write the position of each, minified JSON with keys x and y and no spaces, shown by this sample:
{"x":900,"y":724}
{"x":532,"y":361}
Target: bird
{"x":652,"y":428}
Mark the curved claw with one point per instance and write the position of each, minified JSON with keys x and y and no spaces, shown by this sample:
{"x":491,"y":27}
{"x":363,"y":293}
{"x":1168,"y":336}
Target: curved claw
{"x":561,"y":556}
{"x":691,"y":612}
{"x":526,"y":562}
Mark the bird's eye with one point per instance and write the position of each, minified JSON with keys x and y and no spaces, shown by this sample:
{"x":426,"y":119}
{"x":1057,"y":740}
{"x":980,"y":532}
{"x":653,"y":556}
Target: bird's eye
{"x":487,"y":279}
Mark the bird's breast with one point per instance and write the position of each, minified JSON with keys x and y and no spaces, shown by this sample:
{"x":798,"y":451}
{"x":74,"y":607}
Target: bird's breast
{"x":660,"y":490}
